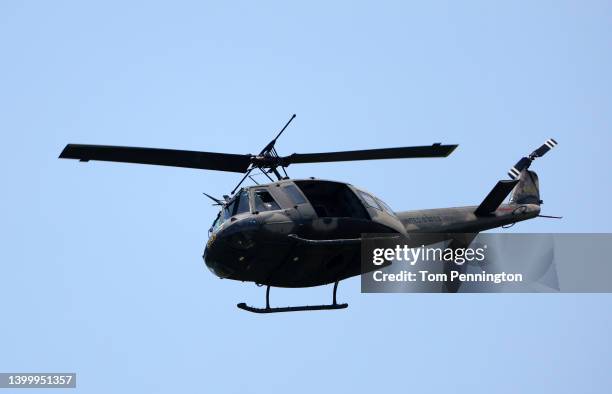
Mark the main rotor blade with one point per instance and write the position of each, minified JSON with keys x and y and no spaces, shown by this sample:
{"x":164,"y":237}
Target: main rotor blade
{"x":163,"y":157}
{"x":435,"y":150}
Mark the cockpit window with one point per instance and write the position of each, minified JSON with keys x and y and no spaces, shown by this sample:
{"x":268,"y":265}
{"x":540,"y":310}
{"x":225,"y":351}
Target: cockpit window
{"x":238,"y":205}
{"x":264,"y":201}
{"x":369,"y":200}
{"x":228,"y":211}
{"x":243,"y":203}
{"x":218,"y":221}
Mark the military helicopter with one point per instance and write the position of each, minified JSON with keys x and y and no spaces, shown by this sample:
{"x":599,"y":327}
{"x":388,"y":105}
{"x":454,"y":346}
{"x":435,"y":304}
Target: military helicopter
{"x":296,"y":233}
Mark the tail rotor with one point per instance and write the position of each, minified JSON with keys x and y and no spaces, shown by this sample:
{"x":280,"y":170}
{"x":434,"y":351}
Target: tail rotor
{"x":525,"y":162}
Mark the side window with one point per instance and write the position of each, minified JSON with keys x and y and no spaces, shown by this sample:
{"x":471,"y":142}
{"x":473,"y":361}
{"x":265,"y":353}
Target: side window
{"x":369,"y":200}
{"x":263,"y":201}
{"x":385,"y":206}
{"x":294,"y":194}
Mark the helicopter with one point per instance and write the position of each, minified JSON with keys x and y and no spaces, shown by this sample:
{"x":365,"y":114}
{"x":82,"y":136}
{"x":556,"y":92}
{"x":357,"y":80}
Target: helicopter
{"x":295,"y":233}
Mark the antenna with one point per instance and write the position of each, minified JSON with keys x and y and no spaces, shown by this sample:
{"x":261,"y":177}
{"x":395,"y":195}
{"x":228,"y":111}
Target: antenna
{"x":216,"y":200}
{"x":268,"y":148}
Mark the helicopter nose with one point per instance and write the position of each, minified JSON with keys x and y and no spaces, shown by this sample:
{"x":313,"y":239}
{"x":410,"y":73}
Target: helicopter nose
{"x":219,"y":269}
{"x":214,"y":259}
{"x":214,"y":256}
{"x":226,"y":253}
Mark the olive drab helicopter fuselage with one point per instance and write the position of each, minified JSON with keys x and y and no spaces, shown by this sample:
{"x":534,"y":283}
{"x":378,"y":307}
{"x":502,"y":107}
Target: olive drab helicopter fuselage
{"x":308,"y":232}
{"x":268,"y":234}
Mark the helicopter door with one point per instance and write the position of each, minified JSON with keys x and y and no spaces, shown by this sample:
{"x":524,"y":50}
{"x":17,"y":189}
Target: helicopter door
{"x":333,"y":199}
{"x":301,"y":209}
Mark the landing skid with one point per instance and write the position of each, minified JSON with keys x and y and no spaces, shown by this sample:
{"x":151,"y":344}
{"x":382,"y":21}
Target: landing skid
{"x":268,"y":309}
{"x":246,"y":307}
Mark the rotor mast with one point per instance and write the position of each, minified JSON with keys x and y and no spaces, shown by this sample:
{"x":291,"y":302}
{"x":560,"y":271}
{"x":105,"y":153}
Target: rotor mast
{"x":268,"y":159}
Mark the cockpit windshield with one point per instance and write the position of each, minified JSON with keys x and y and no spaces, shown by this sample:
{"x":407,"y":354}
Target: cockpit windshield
{"x":237,"y":205}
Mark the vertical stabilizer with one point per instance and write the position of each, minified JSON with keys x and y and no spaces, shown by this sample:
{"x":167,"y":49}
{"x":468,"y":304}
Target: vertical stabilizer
{"x":527,"y":191}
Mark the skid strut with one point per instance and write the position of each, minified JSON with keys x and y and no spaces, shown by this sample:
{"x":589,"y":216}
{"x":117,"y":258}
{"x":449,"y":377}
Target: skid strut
{"x":268,"y":309}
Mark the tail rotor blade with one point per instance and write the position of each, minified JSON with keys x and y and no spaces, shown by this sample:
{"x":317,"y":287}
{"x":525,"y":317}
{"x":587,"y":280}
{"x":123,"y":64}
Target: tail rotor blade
{"x":515,"y":172}
{"x":541,"y":151}
{"x":525,"y":162}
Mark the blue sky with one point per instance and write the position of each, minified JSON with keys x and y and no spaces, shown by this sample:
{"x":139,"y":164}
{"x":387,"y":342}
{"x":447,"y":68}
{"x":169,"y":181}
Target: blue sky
{"x":101,"y":269}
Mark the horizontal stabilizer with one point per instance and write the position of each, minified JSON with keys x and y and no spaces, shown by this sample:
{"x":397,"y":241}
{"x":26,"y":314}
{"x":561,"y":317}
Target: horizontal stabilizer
{"x":495,"y":197}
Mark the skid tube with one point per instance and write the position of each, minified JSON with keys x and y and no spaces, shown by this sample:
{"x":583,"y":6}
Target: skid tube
{"x":268,"y":309}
